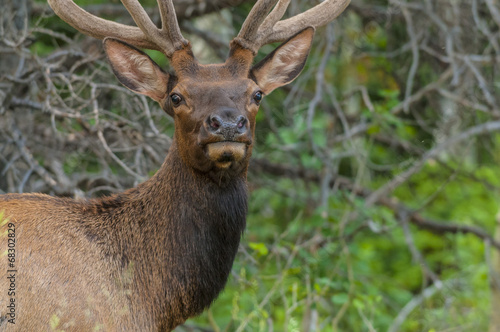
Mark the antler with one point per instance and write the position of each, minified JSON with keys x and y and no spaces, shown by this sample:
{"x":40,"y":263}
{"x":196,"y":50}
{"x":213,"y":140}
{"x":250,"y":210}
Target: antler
{"x":168,"y":39}
{"x":259,"y":30}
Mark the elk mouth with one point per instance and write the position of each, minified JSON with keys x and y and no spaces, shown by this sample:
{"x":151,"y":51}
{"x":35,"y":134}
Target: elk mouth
{"x":224,"y":153}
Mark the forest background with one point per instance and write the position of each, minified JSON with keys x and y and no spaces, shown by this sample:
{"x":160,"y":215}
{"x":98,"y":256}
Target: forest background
{"x":374,"y":184}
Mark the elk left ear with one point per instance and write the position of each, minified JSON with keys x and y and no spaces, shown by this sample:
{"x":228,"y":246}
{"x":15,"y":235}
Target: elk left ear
{"x":285,"y":63}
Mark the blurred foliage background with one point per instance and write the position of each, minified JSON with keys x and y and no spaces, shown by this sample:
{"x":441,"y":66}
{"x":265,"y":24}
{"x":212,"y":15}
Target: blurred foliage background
{"x":374,"y":185}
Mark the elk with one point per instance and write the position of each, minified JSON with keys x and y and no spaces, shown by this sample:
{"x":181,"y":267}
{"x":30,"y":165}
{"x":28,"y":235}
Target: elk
{"x":151,"y":257}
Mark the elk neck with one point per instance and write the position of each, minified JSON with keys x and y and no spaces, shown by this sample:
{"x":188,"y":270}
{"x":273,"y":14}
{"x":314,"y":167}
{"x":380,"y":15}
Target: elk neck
{"x":178,"y":233}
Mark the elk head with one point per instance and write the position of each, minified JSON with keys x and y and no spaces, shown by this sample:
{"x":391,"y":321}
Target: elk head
{"x":213,"y":106}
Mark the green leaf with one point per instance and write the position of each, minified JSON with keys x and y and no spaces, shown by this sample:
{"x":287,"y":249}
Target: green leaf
{"x":340,"y":298}
{"x":358,"y":304}
{"x":259,"y":247}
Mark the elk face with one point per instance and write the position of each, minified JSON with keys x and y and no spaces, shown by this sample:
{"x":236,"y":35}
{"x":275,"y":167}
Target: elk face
{"x":215,"y":120}
{"x":213,"y":106}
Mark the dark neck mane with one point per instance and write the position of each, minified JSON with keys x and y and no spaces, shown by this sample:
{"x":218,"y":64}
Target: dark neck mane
{"x":180,"y":230}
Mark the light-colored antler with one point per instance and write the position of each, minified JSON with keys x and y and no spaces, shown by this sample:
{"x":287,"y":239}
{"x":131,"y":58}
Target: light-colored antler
{"x":168,"y":39}
{"x":259,"y":30}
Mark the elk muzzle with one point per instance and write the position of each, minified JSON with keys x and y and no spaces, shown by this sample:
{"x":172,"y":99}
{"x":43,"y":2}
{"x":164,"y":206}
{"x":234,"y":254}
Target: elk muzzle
{"x":224,"y":153}
{"x":229,"y":135}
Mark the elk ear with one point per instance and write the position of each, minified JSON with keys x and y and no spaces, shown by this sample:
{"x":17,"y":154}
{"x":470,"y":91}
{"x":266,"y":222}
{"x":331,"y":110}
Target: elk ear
{"x":285,"y":63}
{"x":136,"y":70}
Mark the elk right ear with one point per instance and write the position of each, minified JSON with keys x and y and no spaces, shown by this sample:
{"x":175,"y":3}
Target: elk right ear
{"x":136,"y":70}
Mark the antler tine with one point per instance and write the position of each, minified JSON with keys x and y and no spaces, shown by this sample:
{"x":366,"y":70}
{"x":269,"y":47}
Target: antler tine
{"x":250,"y":27}
{"x":142,"y":20}
{"x":169,"y":24}
{"x":97,"y":27}
{"x":169,"y":38}
{"x":146,"y":35}
{"x":276,"y":15}
{"x":257,"y":32}
{"x":317,"y":16}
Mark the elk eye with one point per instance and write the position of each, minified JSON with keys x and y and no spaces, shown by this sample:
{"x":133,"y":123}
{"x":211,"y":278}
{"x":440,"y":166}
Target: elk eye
{"x":176,"y":99}
{"x":257,"y":97}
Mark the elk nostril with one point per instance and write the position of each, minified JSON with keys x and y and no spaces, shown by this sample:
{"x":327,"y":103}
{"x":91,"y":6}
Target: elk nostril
{"x":214,"y":122}
{"x":241,"y":123}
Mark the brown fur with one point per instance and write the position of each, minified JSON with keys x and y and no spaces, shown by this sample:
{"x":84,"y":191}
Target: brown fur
{"x":151,"y":257}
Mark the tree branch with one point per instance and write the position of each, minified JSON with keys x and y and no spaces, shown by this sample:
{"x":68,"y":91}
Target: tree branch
{"x":259,"y":166}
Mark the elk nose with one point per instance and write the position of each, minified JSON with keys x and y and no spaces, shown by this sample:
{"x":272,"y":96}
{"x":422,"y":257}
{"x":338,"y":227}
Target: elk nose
{"x":228,"y":127}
